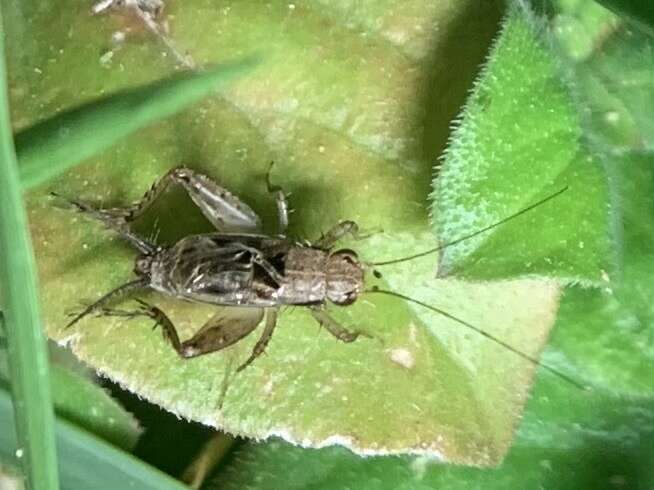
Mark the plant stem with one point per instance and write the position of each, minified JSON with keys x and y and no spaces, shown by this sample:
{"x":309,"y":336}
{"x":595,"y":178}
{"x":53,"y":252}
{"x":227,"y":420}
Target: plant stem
{"x":28,"y":359}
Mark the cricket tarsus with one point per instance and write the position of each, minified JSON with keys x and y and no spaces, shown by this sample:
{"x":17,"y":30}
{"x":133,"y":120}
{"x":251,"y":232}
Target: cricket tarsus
{"x":332,"y":326}
{"x":338,"y":232}
{"x":476,"y":233}
{"x":114,"y":220}
{"x":483,"y":333}
{"x":113,"y":294}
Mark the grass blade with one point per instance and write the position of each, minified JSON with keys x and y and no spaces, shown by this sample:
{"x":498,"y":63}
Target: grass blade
{"x":50,"y":147}
{"x":87,"y":461}
{"x":28,"y":360}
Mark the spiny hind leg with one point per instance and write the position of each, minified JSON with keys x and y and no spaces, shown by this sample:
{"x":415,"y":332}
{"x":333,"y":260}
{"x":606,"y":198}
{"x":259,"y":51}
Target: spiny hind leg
{"x":223,"y":209}
{"x":160,"y":320}
{"x":111,"y":221}
{"x":262,"y":343}
{"x":333,"y":327}
{"x":280,"y":200}
{"x":219,"y":332}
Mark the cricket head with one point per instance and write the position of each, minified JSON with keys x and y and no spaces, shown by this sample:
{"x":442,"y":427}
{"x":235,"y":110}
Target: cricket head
{"x":345,"y":277}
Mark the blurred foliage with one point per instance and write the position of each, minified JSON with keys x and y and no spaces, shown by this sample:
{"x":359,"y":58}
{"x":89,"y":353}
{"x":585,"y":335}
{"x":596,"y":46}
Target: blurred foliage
{"x":578,"y":84}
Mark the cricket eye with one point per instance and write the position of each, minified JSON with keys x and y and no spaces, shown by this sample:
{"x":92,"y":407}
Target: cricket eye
{"x":348,"y":255}
{"x":142,"y":265}
{"x":348,"y":298}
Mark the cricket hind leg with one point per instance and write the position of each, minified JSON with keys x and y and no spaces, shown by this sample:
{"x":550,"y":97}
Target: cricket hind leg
{"x":219,"y":332}
{"x":99,"y":304}
{"x":223,"y":209}
{"x":333,"y":327}
{"x":111,"y":221}
{"x":281,"y":201}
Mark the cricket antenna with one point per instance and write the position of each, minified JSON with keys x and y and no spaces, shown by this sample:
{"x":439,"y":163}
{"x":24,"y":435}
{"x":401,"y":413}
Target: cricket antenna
{"x":470,"y":326}
{"x":472,"y":235}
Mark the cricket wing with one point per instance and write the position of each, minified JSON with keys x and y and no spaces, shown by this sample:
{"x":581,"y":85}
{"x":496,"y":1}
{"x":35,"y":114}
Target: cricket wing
{"x":199,"y":265}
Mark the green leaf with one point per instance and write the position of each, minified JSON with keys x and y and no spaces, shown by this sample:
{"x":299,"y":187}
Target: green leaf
{"x":84,"y":403}
{"x":86,"y":461}
{"x":78,"y":399}
{"x":610,"y":332}
{"x":519,"y":140}
{"x":51,"y":146}
{"x":639,"y":13}
{"x":346,"y":148}
{"x":615,"y":77}
{"x":20,"y":316}
{"x":568,"y":439}
{"x":616,"y":86}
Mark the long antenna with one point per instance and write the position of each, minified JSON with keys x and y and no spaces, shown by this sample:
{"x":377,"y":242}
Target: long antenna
{"x":472,"y":235}
{"x":519,"y":353}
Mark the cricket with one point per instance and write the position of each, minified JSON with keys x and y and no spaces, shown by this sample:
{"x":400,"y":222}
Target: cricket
{"x":257,"y":274}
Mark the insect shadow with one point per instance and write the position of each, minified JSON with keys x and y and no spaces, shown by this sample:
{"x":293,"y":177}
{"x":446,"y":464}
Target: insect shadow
{"x":251,"y":273}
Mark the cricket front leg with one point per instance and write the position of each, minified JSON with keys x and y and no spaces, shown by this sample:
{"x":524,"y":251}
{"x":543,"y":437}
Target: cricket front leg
{"x":342,"y":229}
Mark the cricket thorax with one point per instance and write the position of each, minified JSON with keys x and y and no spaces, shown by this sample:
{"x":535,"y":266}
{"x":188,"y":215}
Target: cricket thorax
{"x":314,"y":275}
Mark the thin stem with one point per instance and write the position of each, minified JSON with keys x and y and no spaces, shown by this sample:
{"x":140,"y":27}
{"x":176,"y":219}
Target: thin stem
{"x":28,"y":359}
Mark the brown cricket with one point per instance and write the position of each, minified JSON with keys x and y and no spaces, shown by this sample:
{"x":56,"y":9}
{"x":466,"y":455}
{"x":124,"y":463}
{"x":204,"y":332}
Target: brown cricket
{"x":238,"y":266}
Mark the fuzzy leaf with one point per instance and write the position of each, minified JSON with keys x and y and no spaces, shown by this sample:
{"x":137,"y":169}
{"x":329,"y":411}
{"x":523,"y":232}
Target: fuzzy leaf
{"x":615,"y":75}
{"x":640,"y":14}
{"x":346,"y":148}
{"x":518,"y":141}
{"x":568,"y":439}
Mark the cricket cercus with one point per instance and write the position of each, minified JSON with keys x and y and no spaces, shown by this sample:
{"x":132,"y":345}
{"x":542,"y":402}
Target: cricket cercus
{"x":237,"y":266}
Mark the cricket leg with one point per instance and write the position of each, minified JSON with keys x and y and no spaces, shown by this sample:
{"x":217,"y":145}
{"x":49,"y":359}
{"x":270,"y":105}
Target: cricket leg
{"x":339,"y":231}
{"x":262,"y":343}
{"x":99,"y":304}
{"x":280,"y":200}
{"x":221,"y":331}
{"x":223,"y":209}
{"x":111,"y":222}
{"x":259,"y":259}
{"x":333,"y":327}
